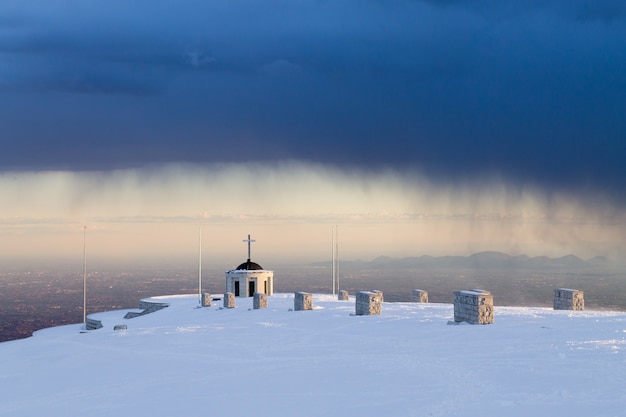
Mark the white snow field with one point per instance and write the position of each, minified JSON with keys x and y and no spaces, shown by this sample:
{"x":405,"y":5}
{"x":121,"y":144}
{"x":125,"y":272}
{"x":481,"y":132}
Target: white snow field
{"x":184,"y":360}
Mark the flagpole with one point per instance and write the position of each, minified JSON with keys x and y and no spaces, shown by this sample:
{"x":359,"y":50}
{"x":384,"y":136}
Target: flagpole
{"x":200,"y":264}
{"x":333,"y":256}
{"x":85,"y":274}
{"x":337,"y":256}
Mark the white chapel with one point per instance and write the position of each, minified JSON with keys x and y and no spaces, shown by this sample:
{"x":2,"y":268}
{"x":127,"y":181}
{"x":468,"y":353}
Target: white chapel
{"x":249,"y":277}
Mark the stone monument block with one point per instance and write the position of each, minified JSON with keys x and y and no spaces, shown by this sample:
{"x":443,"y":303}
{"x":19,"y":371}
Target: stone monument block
{"x":260,"y":300}
{"x":568,"y":299}
{"x":473,"y":307}
{"x":420,"y":296}
{"x":343,"y":295}
{"x":229,"y":300}
{"x":303,"y":301}
{"x":206,"y":299}
{"x":368,"y":303}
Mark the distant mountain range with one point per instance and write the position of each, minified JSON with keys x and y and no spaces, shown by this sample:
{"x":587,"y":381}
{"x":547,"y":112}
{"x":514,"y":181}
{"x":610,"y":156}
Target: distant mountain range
{"x":481,"y":260}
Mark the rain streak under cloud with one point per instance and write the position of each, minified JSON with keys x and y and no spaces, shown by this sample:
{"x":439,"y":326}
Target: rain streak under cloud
{"x":418,"y":126}
{"x":291,"y":209}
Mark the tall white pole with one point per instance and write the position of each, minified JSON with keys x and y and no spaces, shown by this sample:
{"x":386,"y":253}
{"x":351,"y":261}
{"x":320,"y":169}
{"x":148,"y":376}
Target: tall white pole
{"x":200,"y":264}
{"x":337,"y":256}
{"x":85,"y":274}
{"x":333,"y":256}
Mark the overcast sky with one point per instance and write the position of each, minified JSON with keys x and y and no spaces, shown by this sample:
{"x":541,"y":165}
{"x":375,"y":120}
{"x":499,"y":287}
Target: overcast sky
{"x":428,"y":98}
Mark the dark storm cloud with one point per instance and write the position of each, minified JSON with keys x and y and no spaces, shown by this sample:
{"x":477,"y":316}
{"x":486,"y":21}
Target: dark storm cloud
{"x":606,"y":10}
{"x":530,"y":91}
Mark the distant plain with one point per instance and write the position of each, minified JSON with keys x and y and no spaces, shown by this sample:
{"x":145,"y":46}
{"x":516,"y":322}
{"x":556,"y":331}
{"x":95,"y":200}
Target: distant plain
{"x":52,"y":295}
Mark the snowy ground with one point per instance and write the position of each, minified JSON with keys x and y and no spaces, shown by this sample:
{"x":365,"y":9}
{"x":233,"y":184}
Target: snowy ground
{"x":407,"y":361}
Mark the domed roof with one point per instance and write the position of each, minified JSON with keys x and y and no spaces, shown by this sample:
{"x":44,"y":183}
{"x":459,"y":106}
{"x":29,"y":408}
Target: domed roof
{"x":249,"y":266}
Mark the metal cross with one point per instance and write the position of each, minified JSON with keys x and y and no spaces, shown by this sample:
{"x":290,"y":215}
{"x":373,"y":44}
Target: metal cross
{"x":249,"y":241}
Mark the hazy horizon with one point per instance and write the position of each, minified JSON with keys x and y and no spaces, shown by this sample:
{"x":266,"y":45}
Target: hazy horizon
{"x":290,"y":211}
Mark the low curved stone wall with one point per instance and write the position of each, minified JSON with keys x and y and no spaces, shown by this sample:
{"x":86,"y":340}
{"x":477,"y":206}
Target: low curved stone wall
{"x":147,"y":308}
{"x":93,"y":324}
